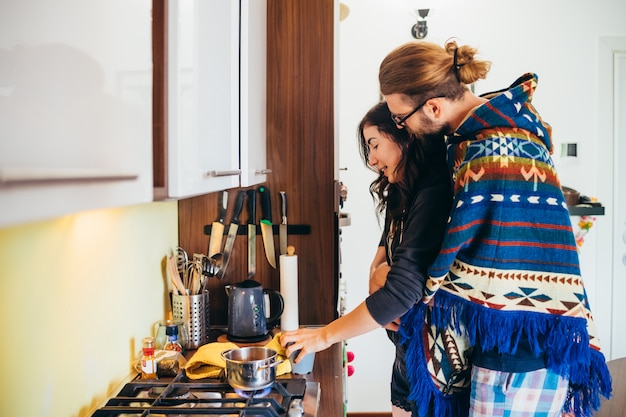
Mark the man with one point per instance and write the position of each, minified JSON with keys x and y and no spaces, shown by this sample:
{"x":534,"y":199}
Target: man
{"x":508,"y":272}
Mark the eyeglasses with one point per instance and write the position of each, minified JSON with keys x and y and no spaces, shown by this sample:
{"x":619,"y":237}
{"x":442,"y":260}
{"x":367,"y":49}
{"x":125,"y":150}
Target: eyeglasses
{"x":400,"y":120}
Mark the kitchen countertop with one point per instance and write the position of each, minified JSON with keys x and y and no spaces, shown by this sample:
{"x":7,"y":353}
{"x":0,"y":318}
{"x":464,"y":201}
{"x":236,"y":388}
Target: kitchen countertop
{"x":586,"y":210}
{"x":328,"y":371}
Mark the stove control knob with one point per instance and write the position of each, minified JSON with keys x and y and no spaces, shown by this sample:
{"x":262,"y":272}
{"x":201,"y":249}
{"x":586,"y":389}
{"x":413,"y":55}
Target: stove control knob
{"x":295,"y":409}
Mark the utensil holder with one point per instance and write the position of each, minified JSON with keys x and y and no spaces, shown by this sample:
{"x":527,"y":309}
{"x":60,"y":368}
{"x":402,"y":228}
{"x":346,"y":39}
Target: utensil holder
{"x":193,"y":311}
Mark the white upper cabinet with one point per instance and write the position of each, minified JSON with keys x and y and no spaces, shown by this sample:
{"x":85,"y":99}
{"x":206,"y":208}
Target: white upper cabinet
{"x":203,"y":96}
{"x":216,"y":95}
{"x":75,"y":106}
{"x":253,"y":92}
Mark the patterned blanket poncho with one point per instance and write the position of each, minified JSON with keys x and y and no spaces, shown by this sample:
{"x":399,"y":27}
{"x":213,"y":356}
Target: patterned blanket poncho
{"x":509,"y":264}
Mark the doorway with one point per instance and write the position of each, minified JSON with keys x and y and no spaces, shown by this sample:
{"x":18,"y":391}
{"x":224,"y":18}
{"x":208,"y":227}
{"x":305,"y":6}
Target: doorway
{"x":612,"y":183}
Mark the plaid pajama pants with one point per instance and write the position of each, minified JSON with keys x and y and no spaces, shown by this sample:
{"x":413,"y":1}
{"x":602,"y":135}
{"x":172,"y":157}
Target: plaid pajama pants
{"x":538,"y":393}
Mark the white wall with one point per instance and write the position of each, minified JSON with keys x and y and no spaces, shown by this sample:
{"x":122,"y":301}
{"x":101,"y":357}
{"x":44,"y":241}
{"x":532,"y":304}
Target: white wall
{"x":558,"y":40}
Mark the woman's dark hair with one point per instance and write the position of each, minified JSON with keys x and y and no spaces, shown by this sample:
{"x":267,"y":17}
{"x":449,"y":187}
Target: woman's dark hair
{"x":397,"y":196}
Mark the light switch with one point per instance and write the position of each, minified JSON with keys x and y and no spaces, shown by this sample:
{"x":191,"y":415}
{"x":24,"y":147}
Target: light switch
{"x":569,"y":150}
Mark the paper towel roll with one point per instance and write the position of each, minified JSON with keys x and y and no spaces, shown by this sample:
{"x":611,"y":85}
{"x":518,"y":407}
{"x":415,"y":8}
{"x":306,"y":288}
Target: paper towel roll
{"x":289,"y":290}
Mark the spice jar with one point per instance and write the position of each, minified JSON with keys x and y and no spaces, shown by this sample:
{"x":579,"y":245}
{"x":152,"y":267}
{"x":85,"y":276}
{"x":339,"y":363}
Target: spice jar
{"x":172,"y":338}
{"x":160,"y":338}
{"x":148,"y":361}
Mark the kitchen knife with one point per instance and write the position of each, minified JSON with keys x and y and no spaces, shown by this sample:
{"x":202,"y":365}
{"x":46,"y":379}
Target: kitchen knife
{"x":217,"y":228}
{"x":251,"y":233}
{"x":232,"y":232}
{"x":282,"y":229}
{"x":266,"y":225}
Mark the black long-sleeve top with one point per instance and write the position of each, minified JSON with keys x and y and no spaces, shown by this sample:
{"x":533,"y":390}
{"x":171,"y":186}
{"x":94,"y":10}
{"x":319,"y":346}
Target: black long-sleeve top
{"x":416,"y":247}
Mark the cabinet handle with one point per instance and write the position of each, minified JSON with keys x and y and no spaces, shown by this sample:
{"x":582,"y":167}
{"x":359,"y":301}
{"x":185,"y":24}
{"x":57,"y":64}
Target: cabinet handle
{"x":18,"y":176}
{"x":224,"y":173}
{"x":262,"y":171}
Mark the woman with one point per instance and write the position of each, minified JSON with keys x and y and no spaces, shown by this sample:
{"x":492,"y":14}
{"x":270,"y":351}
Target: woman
{"x":508,"y":269}
{"x":413,"y":189}
{"x":423,"y":167}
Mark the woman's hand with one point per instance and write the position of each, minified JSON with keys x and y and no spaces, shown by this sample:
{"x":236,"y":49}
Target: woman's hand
{"x":305,"y":340}
{"x":394,"y":326}
{"x":309,"y":340}
{"x":378,"y":277}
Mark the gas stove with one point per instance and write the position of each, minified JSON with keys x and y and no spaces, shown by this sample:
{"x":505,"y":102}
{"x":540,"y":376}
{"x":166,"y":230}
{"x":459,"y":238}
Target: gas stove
{"x":180,"y":396}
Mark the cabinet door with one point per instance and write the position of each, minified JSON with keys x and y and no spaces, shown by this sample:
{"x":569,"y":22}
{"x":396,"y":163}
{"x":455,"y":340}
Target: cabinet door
{"x":203,"y":96}
{"x":75,"y":106}
{"x":253,"y":92}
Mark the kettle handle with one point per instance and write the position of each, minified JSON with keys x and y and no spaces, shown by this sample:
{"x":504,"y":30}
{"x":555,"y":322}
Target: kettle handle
{"x":280,"y":306}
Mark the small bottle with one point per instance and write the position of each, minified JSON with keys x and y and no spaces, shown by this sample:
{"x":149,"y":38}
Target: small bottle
{"x":172,"y":338}
{"x":148,"y":362}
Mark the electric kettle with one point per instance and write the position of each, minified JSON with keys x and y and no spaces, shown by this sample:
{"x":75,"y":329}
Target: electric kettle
{"x":248,"y":320}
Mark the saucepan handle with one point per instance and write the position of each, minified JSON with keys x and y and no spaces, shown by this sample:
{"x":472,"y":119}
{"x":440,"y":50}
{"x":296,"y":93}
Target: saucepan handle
{"x":271,"y":365}
{"x":224,"y":352}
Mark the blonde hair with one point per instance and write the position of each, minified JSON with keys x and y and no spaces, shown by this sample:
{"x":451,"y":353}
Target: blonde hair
{"x":423,"y":69}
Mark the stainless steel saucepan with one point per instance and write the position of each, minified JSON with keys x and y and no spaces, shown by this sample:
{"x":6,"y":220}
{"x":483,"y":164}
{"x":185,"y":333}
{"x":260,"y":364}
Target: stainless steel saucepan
{"x":250,"y":368}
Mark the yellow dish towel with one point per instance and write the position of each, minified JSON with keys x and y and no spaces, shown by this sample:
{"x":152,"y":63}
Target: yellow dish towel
{"x":207,"y":362}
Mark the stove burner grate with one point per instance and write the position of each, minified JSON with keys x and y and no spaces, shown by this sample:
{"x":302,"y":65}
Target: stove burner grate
{"x":178,"y":393}
{"x":181,"y":397}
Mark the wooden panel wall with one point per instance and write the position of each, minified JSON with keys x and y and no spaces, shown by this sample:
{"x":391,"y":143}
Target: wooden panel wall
{"x":300,"y":149}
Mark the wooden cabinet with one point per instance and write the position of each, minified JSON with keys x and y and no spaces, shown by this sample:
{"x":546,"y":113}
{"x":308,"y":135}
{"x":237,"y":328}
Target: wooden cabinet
{"x":213,"y":96}
{"x":300,"y":153}
{"x":75,"y":107}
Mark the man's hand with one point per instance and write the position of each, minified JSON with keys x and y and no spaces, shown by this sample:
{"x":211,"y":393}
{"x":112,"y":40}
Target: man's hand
{"x":378,"y":277}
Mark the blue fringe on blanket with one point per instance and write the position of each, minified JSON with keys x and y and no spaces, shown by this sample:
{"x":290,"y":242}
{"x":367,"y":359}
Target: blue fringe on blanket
{"x":424,"y":392}
{"x":566,"y":343}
